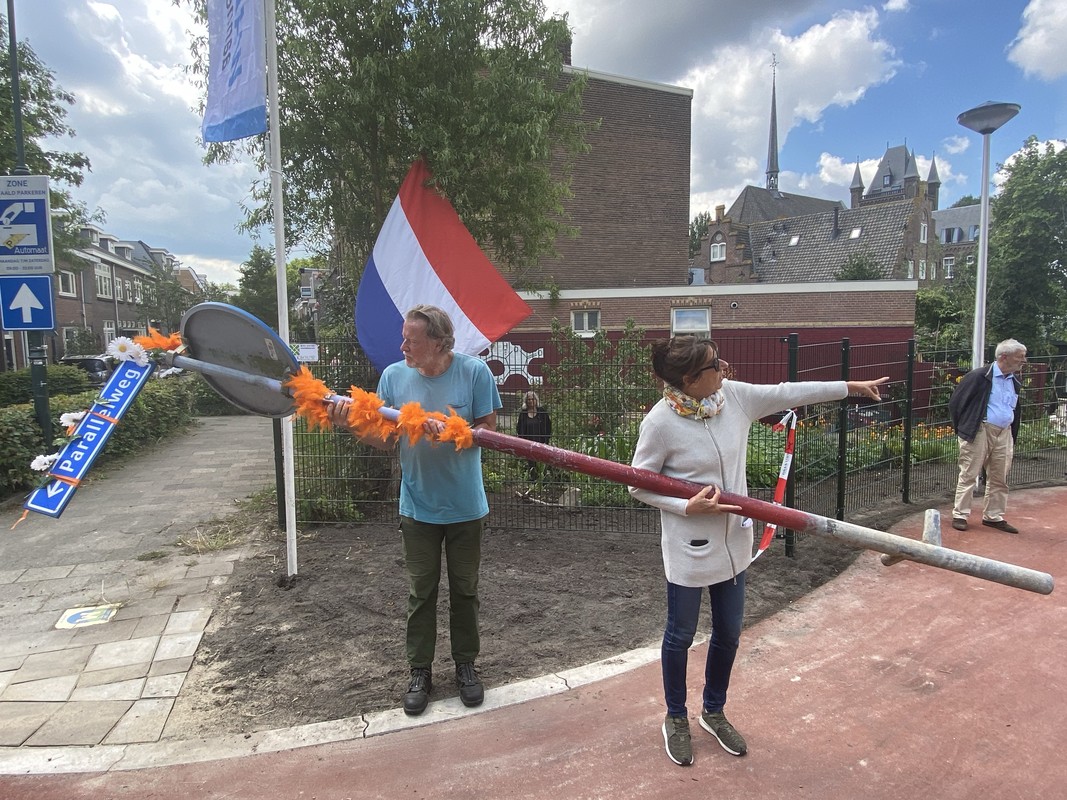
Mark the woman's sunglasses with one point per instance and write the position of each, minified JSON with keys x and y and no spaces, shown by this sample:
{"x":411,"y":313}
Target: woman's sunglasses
{"x":713,"y":365}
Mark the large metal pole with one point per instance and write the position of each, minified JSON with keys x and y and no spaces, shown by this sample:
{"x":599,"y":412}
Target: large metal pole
{"x":978,"y":340}
{"x":37,"y":350}
{"x":782,"y":516}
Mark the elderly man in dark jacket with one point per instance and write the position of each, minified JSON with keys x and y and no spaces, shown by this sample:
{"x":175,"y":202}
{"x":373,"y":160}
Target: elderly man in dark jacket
{"x":985,"y":413}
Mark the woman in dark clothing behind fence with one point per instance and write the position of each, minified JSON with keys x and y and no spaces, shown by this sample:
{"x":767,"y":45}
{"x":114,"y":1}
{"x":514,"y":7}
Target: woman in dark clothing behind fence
{"x":534,"y":424}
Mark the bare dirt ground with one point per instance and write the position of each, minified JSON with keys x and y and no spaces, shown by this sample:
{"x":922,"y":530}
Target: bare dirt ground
{"x":328,"y":642}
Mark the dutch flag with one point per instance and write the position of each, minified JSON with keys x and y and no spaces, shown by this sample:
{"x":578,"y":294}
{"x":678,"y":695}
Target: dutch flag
{"x":424,"y":254}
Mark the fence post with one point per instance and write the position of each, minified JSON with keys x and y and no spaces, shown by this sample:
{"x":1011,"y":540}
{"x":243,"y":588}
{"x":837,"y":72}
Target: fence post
{"x":791,"y":485}
{"x":842,"y":434}
{"x":909,"y":404}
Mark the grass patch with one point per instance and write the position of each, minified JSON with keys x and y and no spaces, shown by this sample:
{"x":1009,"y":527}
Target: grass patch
{"x":255,"y":518}
{"x":152,"y":555}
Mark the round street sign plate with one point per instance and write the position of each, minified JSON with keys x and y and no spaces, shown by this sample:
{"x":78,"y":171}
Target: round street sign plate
{"x":221,"y":334}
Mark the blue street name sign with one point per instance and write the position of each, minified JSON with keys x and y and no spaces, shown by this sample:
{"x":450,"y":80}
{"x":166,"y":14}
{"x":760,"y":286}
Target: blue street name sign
{"x":89,"y":438}
{"x":26,"y":303}
{"x":25,"y":226}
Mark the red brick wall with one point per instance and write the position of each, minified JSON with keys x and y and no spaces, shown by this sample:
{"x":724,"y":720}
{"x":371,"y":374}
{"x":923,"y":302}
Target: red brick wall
{"x":631,"y":192}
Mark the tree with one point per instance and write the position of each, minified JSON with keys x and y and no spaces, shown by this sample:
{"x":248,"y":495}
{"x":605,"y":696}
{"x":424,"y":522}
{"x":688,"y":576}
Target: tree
{"x":44,"y":112}
{"x":1027,"y":287}
{"x":698,"y":229}
{"x":860,"y":267}
{"x":257,"y":288}
{"x":478,"y":89}
{"x":967,"y":200}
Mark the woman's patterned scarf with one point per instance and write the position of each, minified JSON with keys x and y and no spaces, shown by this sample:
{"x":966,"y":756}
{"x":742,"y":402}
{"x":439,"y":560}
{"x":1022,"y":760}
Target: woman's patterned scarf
{"x":685,"y":406}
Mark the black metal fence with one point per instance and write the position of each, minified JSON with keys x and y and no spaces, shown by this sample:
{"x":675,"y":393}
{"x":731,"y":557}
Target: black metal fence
{"x":849,"y":457}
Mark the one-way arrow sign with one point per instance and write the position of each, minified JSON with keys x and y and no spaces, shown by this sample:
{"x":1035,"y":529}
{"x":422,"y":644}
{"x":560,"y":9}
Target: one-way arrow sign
{"x":26,"y":303}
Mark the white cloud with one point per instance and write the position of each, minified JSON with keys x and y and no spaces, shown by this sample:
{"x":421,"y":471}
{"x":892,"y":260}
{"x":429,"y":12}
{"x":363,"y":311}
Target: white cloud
{"x":832,"y":64}
{"x":955,"y":145}
{"x":1038,"y":48}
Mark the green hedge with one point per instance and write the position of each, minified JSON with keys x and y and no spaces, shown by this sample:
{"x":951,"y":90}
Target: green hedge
{"x":163,"y":407}
{"x":15,"y":385}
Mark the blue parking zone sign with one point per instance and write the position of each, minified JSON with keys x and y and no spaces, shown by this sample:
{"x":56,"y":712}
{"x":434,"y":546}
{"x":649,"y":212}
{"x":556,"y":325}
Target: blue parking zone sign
{"x":25,"y":226}
{"x":26,"y":302}
{"x":89,"y":439}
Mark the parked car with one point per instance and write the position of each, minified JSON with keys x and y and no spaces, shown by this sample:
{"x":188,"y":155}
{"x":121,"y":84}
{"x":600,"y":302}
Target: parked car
{"x":97,"y":367}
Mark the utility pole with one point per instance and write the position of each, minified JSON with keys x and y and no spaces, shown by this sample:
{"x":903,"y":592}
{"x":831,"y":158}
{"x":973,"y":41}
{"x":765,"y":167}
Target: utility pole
{"x":38,"y":351}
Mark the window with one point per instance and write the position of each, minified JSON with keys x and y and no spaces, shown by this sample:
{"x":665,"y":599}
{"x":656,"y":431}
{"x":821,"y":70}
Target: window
{"x":922,"y":232}
{"x":718,"y":251}
{"x":886,"y":180}
{"x":109,"y":331}
{"x":138,"y":291}
{"x":70,"y":338}
{"x":922,"y":269}
{"x":970,"y":261}
{"x":129,"y":291}
{"x":118,"y":290}
{"x":690,"y":320}
{"x":911,"y":270}
{"x":974,"y":233}
{"x":794,"y":241}
{"x":67,"y":285}
{"x":587,"y":322}
{"x":103,"y":281}
{"x":855,"y":233}
{"x":948,"y":264}
{"x":933,"y":270}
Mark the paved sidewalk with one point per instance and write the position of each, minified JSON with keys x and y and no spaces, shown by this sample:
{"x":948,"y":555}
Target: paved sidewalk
{"x":115,"y":683}
{"x":888,"y":682}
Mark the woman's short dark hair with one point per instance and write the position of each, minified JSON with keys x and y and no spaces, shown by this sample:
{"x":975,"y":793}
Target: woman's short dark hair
{"x":673,"y":359}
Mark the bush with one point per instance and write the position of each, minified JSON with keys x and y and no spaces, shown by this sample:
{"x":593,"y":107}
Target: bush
{"x":162,"y":407}
{"x":16,"y":386}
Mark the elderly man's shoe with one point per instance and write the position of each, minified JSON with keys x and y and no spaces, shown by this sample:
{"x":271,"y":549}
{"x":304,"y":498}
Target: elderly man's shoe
{"x":418,"y":693}
{"x":1000,"y":525}
{"x":959,"y":524}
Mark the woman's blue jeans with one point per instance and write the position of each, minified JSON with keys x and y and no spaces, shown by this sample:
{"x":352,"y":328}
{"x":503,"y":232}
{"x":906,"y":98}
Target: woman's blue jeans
{"x":683,"y":613}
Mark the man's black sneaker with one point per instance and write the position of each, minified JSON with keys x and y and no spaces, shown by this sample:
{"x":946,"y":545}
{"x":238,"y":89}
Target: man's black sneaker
{"x":471,"y":691}
{"x":418,"y":694}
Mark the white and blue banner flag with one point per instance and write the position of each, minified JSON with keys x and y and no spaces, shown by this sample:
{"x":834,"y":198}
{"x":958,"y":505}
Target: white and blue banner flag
{"x":237,"y":71}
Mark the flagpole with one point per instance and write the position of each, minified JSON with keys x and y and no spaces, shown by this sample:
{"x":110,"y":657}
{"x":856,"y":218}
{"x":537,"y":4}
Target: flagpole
{"x":276,"y":193}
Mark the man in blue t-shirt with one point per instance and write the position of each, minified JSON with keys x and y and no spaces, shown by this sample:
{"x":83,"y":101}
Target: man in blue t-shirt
{"x":442,"y":496}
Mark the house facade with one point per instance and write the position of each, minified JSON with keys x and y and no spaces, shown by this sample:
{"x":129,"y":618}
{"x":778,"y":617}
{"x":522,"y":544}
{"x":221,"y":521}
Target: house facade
{"x":106,"y":289}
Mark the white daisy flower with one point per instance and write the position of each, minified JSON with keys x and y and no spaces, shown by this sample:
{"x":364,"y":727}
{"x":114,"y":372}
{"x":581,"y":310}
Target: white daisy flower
{"x":44,"y":463}
{"x":121,"y":348}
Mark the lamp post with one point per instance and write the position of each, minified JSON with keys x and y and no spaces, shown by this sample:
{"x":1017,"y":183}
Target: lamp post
{"x":984,"y":119}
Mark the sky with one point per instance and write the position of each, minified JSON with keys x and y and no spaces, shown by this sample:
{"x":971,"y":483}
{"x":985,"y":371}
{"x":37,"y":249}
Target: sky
{"x":852,"y":79}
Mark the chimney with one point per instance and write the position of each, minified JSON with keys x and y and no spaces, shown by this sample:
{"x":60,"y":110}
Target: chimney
{"x":720,"y":212}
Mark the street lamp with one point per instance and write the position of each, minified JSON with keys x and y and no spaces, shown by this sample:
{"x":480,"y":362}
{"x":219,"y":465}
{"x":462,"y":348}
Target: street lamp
{"x":984,"y":119}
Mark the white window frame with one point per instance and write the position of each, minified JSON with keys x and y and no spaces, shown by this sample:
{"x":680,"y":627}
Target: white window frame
{"x":691,"y":320}
{"x":585,"y":322}
{"x":949,"y":264}
{"x":922,"y":269}
{"x":922,"y":232}
{"x":911,"y":270}
{"x":103,"y":280}
{"x":68,"y":284}
{"x":109,"y":332}
{"x":717,"y":251}
{"x":138,"y":291}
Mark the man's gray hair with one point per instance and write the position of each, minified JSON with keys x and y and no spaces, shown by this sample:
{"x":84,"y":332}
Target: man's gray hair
{"x":438,"y":324}
{"x":1010,"y":347}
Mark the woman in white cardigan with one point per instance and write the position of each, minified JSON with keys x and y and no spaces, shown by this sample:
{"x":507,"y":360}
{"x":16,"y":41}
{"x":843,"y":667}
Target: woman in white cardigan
{"x":699,"y":432}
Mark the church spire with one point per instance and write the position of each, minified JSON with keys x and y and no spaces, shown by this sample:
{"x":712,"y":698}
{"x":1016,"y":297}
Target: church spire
{"x":772,"y":143}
